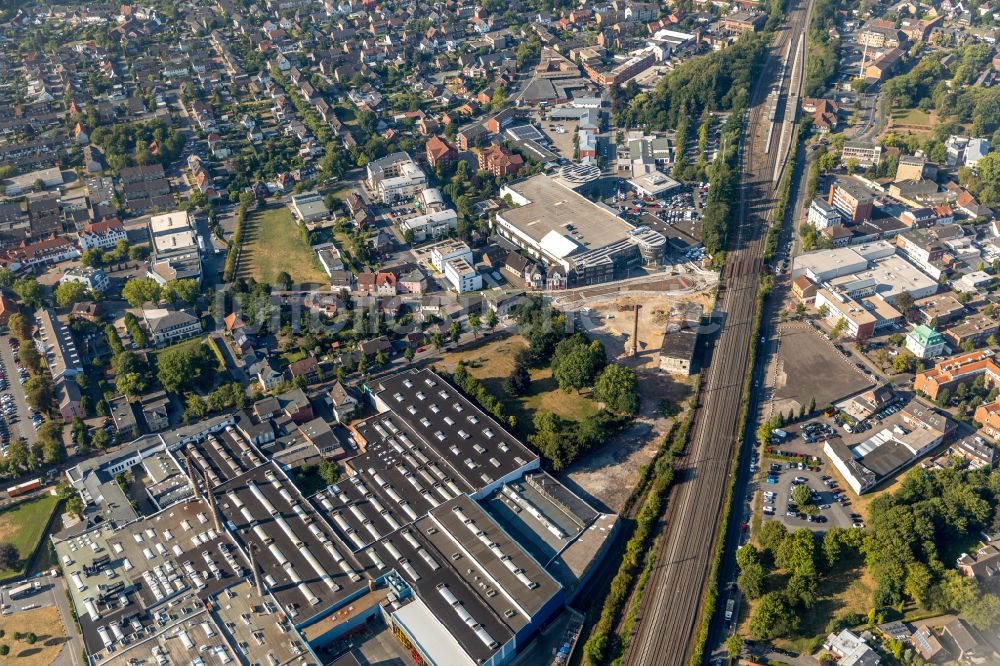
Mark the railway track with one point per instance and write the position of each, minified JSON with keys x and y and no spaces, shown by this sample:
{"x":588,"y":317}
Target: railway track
{"x":671,"y":610}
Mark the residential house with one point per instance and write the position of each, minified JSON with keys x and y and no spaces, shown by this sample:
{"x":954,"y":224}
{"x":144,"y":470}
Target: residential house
{"x":156,"y":410}
{"x":440,"y":151}
{"x":342,"y":403}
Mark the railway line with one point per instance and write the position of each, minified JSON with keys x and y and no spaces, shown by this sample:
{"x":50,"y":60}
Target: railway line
{"x":671,"y":609}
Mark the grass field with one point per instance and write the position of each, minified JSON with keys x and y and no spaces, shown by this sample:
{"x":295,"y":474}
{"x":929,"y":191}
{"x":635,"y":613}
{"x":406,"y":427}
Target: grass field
{"x":271,"y":244}
{"x":187,"y":345}
{"x":23,"y":525}
{"x":913,"y":117}
{"x":491,"y":364}
{"x":50,"y":635}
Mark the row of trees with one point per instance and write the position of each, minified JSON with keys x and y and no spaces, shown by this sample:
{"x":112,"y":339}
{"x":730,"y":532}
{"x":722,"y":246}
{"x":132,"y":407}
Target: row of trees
{"x":123,"y":251}
{"x":824,"y":50}
{"x":235,"y":245}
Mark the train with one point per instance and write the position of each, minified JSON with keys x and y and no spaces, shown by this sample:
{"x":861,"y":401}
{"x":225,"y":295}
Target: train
{"x":25,"y":487}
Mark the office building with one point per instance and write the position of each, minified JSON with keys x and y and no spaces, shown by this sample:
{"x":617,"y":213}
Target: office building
{"x":822,"y":214}
{"x":94,"y":279}
{"x":924,"y":342}
{"x":865,"y":154}
{"x":462,"y":275}
{"x":308,"y":207}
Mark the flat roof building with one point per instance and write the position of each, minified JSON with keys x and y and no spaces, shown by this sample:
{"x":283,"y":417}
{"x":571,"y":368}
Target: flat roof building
{"x":175,"y":247}
{"x":308,"y":207}
{"x":905,"y":437}
{"x":555,"y":224}
{"x":395,"y":177}
{"x":653,"y":184}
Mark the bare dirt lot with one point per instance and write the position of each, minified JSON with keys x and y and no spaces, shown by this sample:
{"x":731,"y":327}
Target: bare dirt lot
{"x":610,"y":318}
{"x":808,"y":367}
{"x":49,"y":632}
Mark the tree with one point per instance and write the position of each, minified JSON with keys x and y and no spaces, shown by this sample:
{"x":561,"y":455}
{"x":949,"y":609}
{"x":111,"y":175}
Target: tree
{"x":518,"y":381}
{"x":180,"y":291}
{"x":491,"y":319}
{"x":734,"y":646}
{"x":771,"y":535}
{"x":69,"y":293}
{"x":50,"y":435}
{"x":75,"y":505}
{"x":283,"y":280}
{"x":474,"y":324}
{"x":19,"y":327}
{"x":765,"y":431}
{"x":380,"y":358}
{"x":903,"y":362}
{"x":617,"y":387}
{"x":904,"y":302}
{"x":329,"y":471}
{"x":9,"y":557}
{"x":101,"y":439}
{"x":29,"y":291}
{"x":178,"y":369}
{"x":38,"y":392}
{"x":838,"y":328}
{"x":92,"y":258}
{"x":139,"y":291}
{"x":408,"y":354}
{"x":455,"y":331}
{"x":802,"y":495}
{"x":31,"y":358}
{"x":771,"y":617}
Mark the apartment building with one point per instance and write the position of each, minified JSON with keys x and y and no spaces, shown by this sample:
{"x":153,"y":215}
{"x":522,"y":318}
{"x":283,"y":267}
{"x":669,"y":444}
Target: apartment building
{"x":854,"y":203}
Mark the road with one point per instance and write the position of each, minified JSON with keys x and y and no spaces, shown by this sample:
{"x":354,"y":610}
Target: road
{"x":671,"y":610}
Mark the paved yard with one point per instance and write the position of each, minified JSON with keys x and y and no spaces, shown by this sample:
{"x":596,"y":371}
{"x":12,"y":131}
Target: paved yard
{"x":807,"y":366}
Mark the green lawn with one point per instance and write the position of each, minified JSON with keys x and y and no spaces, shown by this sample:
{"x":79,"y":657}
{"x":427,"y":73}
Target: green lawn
{"x":188,"y":345}
{"x":272,"y":244}
{"x":23,"y":525}
{"x":912,"y":117}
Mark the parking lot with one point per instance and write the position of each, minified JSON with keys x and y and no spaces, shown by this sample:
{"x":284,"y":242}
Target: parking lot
{"x":795,"y":458}
{"x":676,"y":215}
{"x":806,"y":366}
{"x":16,"y":418}
{"x":833,"y":507}
{"x":42,"y":597}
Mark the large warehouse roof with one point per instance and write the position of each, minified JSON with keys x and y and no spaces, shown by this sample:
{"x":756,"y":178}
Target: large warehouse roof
{"x":552,"y":208}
